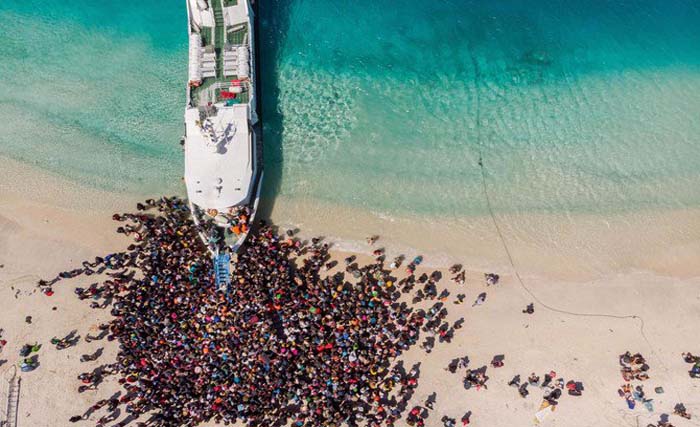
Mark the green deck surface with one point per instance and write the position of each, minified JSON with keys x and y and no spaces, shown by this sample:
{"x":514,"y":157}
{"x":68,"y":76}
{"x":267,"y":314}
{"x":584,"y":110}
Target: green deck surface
{"x":206,"y":36}
{"x":242,"y":97}
{"x":207,"y":83}
{"x":238,"y":35}
{"x":219,"y":36}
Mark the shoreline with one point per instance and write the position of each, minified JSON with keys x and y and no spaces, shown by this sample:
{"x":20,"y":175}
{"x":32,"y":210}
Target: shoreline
{"x":560,"y":247}
{"x":577,"y":248}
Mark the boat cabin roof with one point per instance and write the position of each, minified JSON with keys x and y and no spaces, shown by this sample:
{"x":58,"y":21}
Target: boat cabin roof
{"x":218,"y":156}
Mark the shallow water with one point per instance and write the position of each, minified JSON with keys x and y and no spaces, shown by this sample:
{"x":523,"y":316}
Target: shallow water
{"x":578,"y":107}
{"x":95,"y":90}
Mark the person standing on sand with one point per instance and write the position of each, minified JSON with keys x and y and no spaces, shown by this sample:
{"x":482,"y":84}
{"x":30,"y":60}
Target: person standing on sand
{"x":480,"y":299}
{"x":466,"y":418}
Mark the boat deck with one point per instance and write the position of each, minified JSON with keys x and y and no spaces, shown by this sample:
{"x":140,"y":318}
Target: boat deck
{"x":223,"y":40}
{"x":219,"y":174}
{"x":237,"y":35}
{"x":210,"y":92}
{"x":221,"y":148}
{"x":207,"y":36}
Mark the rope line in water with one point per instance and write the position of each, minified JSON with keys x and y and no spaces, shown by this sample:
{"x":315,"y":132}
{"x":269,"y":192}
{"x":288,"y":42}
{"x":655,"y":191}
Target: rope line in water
{"x":509,"y":255}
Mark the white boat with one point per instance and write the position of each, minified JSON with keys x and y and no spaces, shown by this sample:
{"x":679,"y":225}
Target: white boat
{"x":223,"y":164}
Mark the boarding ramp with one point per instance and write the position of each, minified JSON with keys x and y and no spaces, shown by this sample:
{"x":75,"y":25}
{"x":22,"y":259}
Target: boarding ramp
{"x":222,"y":271}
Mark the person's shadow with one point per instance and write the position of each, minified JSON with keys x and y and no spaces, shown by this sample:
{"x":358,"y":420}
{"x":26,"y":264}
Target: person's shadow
{"x":72,"y":338}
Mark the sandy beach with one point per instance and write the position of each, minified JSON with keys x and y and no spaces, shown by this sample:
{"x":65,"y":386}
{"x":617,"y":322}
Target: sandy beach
{"x":48,"y":225}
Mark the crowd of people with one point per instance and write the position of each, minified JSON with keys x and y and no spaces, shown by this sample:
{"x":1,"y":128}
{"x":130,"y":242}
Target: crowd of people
{"x":550,"y":384}
{"x":286,"y":345}
{"x":290,"y":343}
{"x":633,"y":367}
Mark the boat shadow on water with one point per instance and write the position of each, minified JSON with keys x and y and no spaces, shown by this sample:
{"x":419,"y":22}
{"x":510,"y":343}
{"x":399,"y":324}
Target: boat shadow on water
{"x":272,"y":27}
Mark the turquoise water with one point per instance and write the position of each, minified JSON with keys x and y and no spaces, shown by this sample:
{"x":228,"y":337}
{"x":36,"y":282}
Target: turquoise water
{"x":578,"y":106}
{"x":94,"y":90}
{"x":583,"y":106}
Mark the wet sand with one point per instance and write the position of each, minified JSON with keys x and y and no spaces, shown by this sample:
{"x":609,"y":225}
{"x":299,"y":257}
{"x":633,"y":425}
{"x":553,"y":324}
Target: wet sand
{"x":562,"y":247}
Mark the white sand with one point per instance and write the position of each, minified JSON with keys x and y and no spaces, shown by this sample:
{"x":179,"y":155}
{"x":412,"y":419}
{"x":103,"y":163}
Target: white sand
{"x":48,"y":225}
